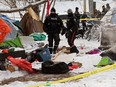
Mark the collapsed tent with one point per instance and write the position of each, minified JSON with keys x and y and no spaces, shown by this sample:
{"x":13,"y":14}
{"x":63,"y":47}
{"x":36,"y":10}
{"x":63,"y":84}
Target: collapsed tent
{"x":30,"y":23}
{"x":105,"y":61}
{"x":4,"y":30}
{"x":114,"y":16}
{"x":108,"y":30}
{"x":14,"y":30}
{"x":21,"y":63}
{"x":108,"y":34}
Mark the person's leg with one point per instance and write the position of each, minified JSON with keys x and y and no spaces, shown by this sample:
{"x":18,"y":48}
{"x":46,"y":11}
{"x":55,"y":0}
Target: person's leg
{"x":86,"y":26}
{"x":71,"y":38}
{"x":71,"y":43}
{"x":74,"y":49}
{"x":50,"y":42}
{"x":57,"y":40}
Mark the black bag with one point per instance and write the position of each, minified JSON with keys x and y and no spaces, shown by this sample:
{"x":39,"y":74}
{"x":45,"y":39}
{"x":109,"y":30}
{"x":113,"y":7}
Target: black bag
{"x":74,"y":50}
{"x":49,"y":67}
{"x":2,"y":65}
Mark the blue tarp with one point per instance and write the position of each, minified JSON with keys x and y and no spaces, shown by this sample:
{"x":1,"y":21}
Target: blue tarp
{"x":14,"y":30}
{"x":114,"y":16}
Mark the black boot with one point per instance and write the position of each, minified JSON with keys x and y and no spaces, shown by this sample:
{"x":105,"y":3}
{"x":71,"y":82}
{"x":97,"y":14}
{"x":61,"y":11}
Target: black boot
{"x":55,"y":49}
{"x":74,"y":50}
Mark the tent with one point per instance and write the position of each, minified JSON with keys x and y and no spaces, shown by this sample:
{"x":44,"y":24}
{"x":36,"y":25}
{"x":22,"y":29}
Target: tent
{"x":113,"y":20}
{"x":14,"y":29}
{"x":31,"y":23}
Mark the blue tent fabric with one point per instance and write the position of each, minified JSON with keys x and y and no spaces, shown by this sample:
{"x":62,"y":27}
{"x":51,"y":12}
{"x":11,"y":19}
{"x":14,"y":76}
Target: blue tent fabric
{"x":113,"y":19}
{"x":4,"y":17}
{"x":17,"y":24}
{"x":14,"y":30}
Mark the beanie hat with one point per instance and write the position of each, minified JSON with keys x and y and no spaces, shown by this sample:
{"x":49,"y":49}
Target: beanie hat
{"x":53,"y":10}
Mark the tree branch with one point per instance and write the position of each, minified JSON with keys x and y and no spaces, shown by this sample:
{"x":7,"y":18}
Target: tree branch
{"x":22,"y":9}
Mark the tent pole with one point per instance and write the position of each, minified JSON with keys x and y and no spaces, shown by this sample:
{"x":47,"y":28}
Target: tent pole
{"x":43,"y":11}
{"x":54,"y":3}
{"x":84,"y":5}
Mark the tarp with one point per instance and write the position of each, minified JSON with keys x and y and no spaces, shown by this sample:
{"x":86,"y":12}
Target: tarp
{"x":21,"y":63}
{"x":4,"y":30}
{"x":12,"y":43}
{"x":31,"y":23}
{"x":105,"y":61}
{"x":14,"y":30}
{"x":6,"y":18}
{"x":114,"y":16}
{"x":38,"y":37}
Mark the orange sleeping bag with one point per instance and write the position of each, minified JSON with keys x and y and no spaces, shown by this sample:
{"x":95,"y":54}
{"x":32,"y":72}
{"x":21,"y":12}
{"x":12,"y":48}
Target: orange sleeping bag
{"x":4,"y":30}
{"x":22,"y":64}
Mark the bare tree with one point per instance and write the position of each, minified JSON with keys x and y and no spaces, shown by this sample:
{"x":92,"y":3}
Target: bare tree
{"x":21,"y":5}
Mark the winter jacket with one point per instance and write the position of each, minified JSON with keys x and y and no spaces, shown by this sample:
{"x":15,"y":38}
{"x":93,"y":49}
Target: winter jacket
{"x":71,"y":23}
{"x":77,"y":15}
{"x":53,"y":24}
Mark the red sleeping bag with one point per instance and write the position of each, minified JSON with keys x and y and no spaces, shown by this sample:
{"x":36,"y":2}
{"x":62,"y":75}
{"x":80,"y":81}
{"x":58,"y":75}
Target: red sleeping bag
{"x":22,"y":64}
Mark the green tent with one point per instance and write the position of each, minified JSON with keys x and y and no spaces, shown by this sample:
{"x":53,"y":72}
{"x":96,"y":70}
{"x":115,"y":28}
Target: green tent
{"x":104,"y":61}
{"x":12,"y":43}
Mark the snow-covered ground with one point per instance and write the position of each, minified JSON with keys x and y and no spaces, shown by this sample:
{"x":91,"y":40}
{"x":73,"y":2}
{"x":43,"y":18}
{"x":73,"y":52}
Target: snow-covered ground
{"x":102,"y":79}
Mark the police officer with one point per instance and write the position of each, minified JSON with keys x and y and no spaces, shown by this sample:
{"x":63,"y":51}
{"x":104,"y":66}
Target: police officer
{"x":52,"y":26}
{"x":72,"y":28}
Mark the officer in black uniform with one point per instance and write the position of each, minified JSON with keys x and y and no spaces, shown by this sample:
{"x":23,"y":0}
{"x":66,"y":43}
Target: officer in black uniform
{"x":72,"y":30}
{"x":52,"y":26}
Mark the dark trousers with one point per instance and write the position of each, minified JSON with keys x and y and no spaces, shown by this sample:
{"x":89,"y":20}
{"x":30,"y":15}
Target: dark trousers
{"x":53,"y":41}
{"x":78,"y":22}
{"x":84,"y":26}
{"x":71,"y":39}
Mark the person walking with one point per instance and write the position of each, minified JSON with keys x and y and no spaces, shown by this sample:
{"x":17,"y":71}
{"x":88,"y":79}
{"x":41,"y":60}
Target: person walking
{"x":84,"y":21}
{"x":107,"y":7}
{"x":77,"y":15}
{"x":52,"y":26}
{"x":103,"y":10}
{"x":72,"y":29}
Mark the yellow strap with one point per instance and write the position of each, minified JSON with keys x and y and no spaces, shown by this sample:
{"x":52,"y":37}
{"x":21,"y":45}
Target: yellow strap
{"x":109,"y":67}
{"x":90,"y":19}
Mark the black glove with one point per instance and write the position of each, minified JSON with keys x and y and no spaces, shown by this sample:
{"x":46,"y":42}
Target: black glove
{"x":63,"y":32}
{"x":64,"y":29}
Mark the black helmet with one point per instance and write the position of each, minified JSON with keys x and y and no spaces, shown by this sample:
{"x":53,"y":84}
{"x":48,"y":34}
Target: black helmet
{"x":69,"y":11}
{"x":77,"y":8}
{"x":53,"y":9}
